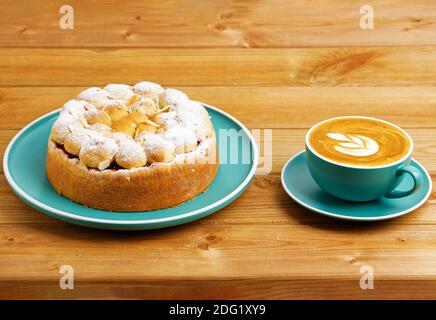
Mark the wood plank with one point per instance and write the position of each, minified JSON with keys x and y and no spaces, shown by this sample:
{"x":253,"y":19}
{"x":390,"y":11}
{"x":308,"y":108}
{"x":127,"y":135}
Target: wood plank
{"x":5,"y":138}
{"x":200,"y":252}
{"x":220,"y":289}
{"x":248,"y":209}
{"x":373,"y":66}
{"x":229,"y":23}
{"x":257,"y":107}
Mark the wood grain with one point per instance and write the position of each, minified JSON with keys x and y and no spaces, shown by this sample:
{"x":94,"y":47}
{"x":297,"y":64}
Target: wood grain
{"x":257,"y":107}
{"x":304,"y":261}
{"x":200,"y":252}
{"x":280,"y":65}
{"x":373,"y":66}
{"x":228,"y":23}
{"x":323,"y":289}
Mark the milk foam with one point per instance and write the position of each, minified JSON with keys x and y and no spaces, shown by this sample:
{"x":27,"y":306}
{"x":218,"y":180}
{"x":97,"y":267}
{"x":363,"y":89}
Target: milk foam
{"x":354,"y":145}
{"x":359,"y":141}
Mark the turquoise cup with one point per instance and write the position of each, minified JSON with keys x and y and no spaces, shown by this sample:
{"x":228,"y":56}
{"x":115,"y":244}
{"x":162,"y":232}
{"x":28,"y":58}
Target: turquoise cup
{"x":358,"y":183}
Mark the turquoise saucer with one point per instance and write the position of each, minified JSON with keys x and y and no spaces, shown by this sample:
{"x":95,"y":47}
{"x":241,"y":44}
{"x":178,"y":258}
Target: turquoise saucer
{"x":301,"y":187}
{"x":24,"y":168}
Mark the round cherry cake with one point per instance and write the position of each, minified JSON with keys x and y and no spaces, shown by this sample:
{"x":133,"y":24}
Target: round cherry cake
{"x":132,"y":148}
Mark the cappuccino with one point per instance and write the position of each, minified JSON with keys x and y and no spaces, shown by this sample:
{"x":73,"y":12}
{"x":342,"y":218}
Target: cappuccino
{"x":359,"y":141}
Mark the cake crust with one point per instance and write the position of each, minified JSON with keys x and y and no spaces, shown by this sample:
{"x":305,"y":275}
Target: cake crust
{"x":159,"y":186}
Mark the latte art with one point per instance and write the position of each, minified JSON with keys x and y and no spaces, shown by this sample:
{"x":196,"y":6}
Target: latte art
{"x":359,"y":141}
{"x":359,"y":146}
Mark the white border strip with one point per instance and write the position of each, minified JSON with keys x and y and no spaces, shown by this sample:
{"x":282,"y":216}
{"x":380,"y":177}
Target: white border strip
{"x":255,"y":154}
{"x":343,"y":217}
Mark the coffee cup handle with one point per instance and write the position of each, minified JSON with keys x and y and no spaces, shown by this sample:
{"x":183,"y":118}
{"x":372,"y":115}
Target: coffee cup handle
{"x":417,"y":182}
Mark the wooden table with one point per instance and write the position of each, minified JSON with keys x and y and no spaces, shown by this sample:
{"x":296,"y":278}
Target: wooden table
{"x":282,"y":65}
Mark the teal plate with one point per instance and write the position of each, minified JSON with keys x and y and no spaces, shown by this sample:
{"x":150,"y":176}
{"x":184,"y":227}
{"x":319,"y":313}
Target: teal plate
{"x":301,"y":187}
{"x":24,"y":168}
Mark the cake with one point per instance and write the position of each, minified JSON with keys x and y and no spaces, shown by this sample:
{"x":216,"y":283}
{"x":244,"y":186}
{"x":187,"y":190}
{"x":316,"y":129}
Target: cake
{"x":131,"y":148}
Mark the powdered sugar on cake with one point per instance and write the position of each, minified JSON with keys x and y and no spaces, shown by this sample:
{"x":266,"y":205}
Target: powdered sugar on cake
{"x":149,"y":125}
